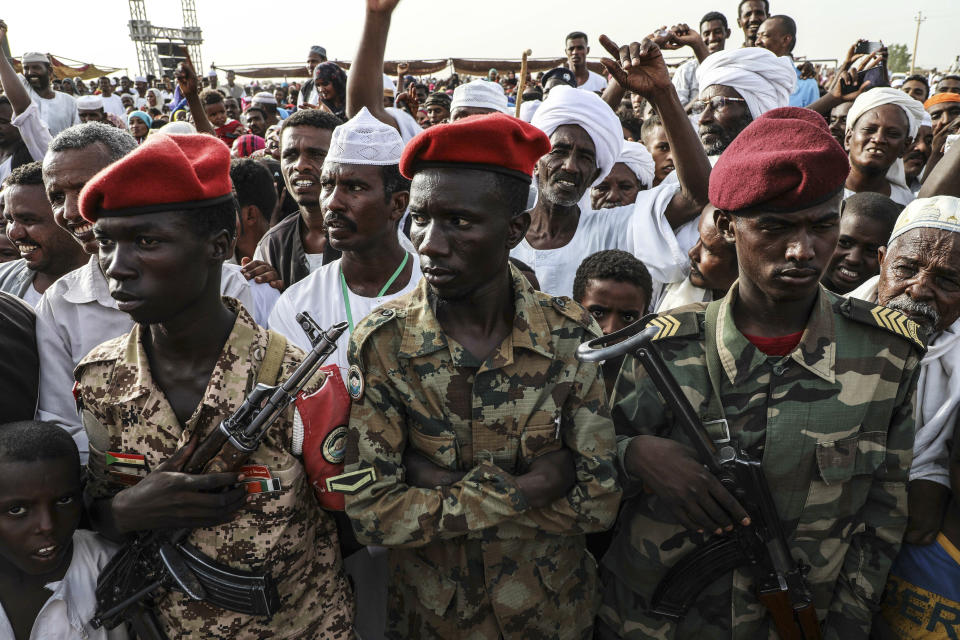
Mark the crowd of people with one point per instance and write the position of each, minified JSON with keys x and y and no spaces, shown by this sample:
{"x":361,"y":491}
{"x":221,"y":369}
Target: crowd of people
{"x":787,"y":237}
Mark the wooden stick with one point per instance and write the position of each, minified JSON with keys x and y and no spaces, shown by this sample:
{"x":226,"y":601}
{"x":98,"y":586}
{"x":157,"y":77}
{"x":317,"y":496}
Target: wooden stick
{"x":522,"y":82}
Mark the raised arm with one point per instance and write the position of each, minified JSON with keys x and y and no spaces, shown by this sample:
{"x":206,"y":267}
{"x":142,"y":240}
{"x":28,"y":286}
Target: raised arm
{"x":365,"y":83}
{"x":189,"y":88}
{"x":18,"y":96}
{"x":640,"y":68}
{"x":943,"y":173}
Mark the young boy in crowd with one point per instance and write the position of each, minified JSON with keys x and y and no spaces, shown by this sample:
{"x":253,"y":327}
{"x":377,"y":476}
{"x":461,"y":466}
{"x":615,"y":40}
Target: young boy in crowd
{"x":213,"y":103}
{"x":48,"y":568}
{"x":866,"y":221}
{"x":615,"y":288}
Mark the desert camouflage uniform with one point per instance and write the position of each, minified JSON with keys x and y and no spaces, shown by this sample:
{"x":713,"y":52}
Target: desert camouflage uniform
{"x":474,"y":560}
{"x":832,"y":423}
{"x":286,"y":534}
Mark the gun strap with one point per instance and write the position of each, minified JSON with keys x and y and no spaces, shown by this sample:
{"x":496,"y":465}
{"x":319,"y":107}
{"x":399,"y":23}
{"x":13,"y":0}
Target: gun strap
{"x":715,"y":421}
{"x":272,"y":359}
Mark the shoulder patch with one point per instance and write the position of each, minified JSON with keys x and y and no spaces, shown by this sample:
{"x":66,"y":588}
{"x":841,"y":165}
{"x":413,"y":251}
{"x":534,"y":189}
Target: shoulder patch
{"x":890,"y":320}
{"x":683,"y":324}
{"x":569,"y":308}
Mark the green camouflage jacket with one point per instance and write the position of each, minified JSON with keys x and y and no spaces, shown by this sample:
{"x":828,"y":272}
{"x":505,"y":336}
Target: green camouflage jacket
{"x":285,"y":534}
{"x":832,"y":423}
{"x":474,"y":560}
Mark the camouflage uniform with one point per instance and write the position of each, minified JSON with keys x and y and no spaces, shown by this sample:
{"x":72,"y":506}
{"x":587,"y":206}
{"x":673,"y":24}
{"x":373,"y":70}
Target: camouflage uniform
{"x":833,"y":425}
{"x":285,"y":534}
{"x":474,"y":560}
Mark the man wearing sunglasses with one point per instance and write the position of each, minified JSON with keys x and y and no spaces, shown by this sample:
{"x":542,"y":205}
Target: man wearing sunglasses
{"x":736,"y":87}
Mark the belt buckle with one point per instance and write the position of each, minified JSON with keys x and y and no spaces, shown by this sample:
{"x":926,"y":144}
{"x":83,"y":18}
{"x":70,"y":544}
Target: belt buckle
{"x":724,"y":428}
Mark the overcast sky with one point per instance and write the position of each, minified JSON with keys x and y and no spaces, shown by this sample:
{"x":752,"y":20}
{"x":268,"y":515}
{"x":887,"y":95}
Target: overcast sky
{"x":241,"y":32}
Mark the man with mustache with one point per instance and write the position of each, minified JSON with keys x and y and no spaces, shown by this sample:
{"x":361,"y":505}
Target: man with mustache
{"x":47,"y":251}
{"x":57,"y":109}
{"x":481,"y":447}
{"x":918,"y":154}
{"x":586,"y":140}
{"x":920,"y":277}
{"x":815,"y":386}
{"x":298,"y":245}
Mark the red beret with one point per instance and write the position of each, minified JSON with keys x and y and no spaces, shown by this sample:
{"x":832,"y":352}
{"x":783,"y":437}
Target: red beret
{"x":492,"y":142}
{"x":785,"y":160}
{"x":167,"y":172}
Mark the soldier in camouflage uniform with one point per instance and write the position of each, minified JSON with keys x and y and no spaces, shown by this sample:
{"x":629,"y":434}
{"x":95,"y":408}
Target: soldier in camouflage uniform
{"x":818,"y":387}
{"x":480,"y":450}
{"x":187,"y":365}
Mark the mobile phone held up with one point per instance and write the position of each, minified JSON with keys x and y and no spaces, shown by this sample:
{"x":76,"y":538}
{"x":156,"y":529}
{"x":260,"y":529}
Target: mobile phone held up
{"x":867,"y":47}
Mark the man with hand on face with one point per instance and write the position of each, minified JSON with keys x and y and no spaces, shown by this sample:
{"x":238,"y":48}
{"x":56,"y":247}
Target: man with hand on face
{"x":478,"y":445}
{"x":298,"y":245}
{"x":164,"y":220}
{"x":586,"y":140}
{"x":817,"y":387}
{"x":920,"y":277}
{"x":48,"y":251}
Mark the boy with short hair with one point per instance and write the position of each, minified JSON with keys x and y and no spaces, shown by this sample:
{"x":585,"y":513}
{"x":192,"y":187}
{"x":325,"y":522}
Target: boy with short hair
{"x":615,"y":288}
{"x":48,"y":568}
{"x":866,"y":221}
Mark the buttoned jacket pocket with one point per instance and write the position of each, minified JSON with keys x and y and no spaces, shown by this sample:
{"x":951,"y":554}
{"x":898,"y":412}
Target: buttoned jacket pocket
{"x":838,"y":461}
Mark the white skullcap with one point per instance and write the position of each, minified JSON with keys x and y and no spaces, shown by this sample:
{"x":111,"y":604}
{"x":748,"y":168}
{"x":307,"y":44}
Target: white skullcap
{"x":761,"y":78}
{"x":178,"y":126}
{"x":528,"y":108}
{"x":89,"y":103}
{"x":365,"y":140}
{"x":480,"y":94}
{"x":140,"y":79}
{"x":566,"y":105}
{"x":636,"y":156}
{"x":880,"y":96}
{"x":938,"y":212}
{"x":265,"y":97}
{"x":34,"y":56}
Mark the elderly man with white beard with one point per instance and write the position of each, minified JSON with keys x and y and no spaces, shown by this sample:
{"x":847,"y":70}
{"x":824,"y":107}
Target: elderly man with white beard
{"x":920,"y":276}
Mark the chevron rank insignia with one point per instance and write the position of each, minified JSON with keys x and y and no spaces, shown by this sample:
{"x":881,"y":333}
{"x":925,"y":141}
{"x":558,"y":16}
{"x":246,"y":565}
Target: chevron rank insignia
{"x":351,"y":482}
{"x":895,"y":322}
{"x":680,"y":325}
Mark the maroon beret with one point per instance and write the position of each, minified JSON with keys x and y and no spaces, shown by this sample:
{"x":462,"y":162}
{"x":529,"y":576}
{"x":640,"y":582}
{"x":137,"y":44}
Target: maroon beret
{"x":167,"y":172}
{"x":785,"y":160}
{"x":492,"y":142}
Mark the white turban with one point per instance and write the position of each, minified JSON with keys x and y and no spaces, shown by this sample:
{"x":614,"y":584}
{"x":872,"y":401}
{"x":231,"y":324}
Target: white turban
{"x":880,"y":96}
{"x":763,"y":79}
{"x":140,"y":79}
{"x":389,"y":85}
{"x":636,"y":156}
{"x":89,"y":103}
{"x":528,"y":108}
{"x":566,"y":105}
{"x":480,"y":94}
{"x":365,"y":140}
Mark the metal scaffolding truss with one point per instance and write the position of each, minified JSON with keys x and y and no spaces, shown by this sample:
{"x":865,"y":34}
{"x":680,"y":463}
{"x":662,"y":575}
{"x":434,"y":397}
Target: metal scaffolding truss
{"x":146,"y":36}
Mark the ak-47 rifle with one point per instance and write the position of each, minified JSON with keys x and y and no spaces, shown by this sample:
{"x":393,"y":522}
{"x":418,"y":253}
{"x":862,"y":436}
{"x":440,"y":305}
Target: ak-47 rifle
{"x":760,"y":547}
{"x":163,"y":559}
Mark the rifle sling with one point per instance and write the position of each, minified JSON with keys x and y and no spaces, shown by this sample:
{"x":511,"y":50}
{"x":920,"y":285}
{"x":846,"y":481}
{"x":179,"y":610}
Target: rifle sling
{"x":272,"y":359}
{"x":715,"y":420}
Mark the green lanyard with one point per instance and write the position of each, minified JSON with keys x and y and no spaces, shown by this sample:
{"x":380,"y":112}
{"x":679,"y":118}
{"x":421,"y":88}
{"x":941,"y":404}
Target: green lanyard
{"x":346,"y":291}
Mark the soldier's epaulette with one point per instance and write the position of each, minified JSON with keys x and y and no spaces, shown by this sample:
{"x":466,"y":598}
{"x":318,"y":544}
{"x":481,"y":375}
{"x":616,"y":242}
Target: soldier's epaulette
{"x":678,"y":324}
{"x":885,"y":318}
{"x":369,"y":325}
{"x":569,"y":308}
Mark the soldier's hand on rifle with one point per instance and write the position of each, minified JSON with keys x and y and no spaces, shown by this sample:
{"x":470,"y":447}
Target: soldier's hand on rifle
{"x":695,"y":496}
{"x":549,"y":478}
{"x":169,"y":499}
{"x":638,"y":67}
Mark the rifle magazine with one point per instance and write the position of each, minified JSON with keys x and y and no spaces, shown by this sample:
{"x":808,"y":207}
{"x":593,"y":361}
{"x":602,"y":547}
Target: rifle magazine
{"x":686,"y":579}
